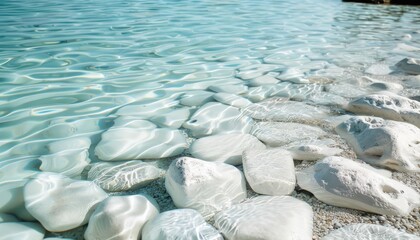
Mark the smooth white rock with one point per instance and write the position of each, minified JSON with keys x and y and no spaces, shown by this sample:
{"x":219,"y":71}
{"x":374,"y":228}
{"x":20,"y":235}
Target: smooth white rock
{"x":21,"y":231}
{"x":132,"y":143}
{"x":263,"y":80}
{"x":207,"y":187}
{"x":60,"y":203}
{"x":179,"y":224}
{"x":225,"y":148}
{"x":276,"y":134}
{"x":364,"y":231}
{"x":68,"y":157}
{"x":381,"y":85}
{"x":280,"y":109}
{"x":121,"y":217}
{"x":230,"y":88}
{"x":383,"y":143}
{"x":4,"y":217}
{"x":312,"y":150}
{"x":269,"y":171}
{"x":409,"y":65}
{"x":293,"y":75}
{"x":345,"y":183}
{"x":388,"y":106}
{"x":378,"y":69}
{"x":214,"y":118}
{"x":255,"y":70}
{"x":132,"y":122}
{"x":196,"y":98}
{"x":232,"y":100}
{"x":257,"y":94}
{"x":173,"y":119}
{"x":346,"y":90}
{"x":268,"y":218}
{"x":124,"y":176}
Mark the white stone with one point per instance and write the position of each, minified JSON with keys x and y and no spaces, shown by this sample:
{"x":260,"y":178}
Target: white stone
{"x":363,"y":231}
{"x":345,"y":183}
{"x":383,"y":143}
{"x":121,"y":217}
{"x":132,"y":143}
{"x":346,"y":90}
{"x":4,"y":217}
{"x":173,"y":119}
{"x":196,"y":98}
{"x":207,"y":187}
{"x":293,"y":75}
{"x":230,"y":88}
{"x":378,"y":69}
{"x":270,"y":171}
{"x":68,"y":157}
{"x":256,"y":94}
{"x":232,"y":100}
{"x":60,"y":203}
{"x":255,"y":70}
{"x":388,"y":106}
{"x":214,"y":118}
{"x":312,"y":150}
{"x":225,"y":148}
{"x":21,"y":231}
{"x":124,"y":176}
{"x":381,"y":85}
{"x":280,"y":109}
{"x":268,"y":218}
{"x":132,"y":122}
{"x":276,"y":134}
{"x":263,"y":80}
{"x":179,"y":224}
{"x":409,"y":65}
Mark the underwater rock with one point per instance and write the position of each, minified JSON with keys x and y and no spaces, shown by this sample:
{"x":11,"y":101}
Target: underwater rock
{"x":207,"y":187}
{"x":364,"y":231}
{"x":173,"y":119}
{"x":60,"y":203}
{"x":4,"y":217}
{"x":268,"y":218}
{"x":131,"y":143}
{"x":179,"y":224}
{"x":124,"y":176}
{"x":345,"y":183}
{"x":68,"y":157}
{"x":121,"y":217}
{"x":214,"y":118}
{"x":196,"y":98}
{"x":270,"y":171}
{"x":225,"y":148}
{"x":293,"y":75}
{"x":262,"y":80}
{"x":21,"y":231}
{"x":232,"y":100}
{"x":276,"y":134}
{"x":230,"y":88}
{"x":388,"y":106}
{"x":311,"y":150}
{"x":409,"y":66}
{"x":384,"y":143}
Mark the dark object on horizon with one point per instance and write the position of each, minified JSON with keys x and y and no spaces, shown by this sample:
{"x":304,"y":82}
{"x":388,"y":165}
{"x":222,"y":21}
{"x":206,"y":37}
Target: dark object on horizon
{"x":402,"y":2}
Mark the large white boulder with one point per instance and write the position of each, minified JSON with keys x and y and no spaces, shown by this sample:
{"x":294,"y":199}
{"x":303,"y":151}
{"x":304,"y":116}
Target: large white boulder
{"x":132,"y":143}
{"x":269,"y":171}
{"x":179,"y":224}
{"x":123,"y":176}
{"x":60,"y":203}
{"x":345,"y":183}
{"x":383,"y":143}
{"x":214,"y":118}
{"x":204,"y":186}
{"x":121,"y":217}
{"x":280,"y":109}
{"x":409,"y":65}
{"x":68,"y":157}
{"x":276,"y":134}
{"x":363,"y":231}
{"x":388,"y":106}
{"x":21,"y":231}
{"x":225,"y":148}
{"x":268,"y":218}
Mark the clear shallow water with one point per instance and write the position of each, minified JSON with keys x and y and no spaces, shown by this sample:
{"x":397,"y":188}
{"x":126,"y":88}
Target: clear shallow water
{"x":66,"y":66}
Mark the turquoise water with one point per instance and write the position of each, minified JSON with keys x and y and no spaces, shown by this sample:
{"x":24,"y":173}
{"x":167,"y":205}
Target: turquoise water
{"x":66,"y":66}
